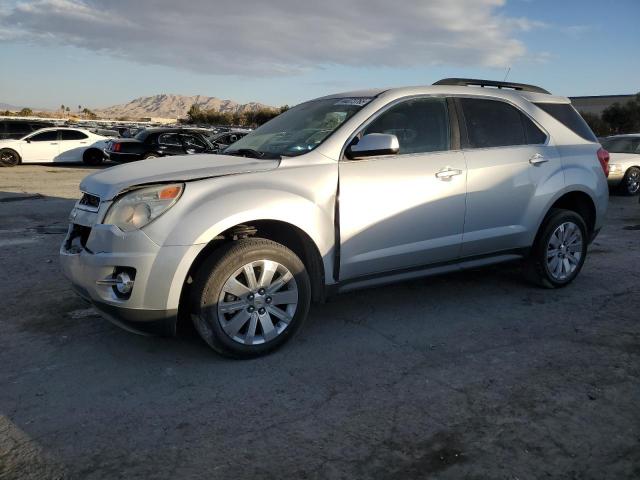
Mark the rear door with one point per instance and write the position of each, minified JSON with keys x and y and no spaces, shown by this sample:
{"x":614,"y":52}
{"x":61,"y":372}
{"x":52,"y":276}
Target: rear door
{"x":73,"y":143}
{"x":40,"y":147}
{"x":508,"y":159}
{"x":405,"y":210}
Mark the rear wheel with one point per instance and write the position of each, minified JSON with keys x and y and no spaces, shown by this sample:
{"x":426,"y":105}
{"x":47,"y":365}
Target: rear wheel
{"x":559,"y":251}
{"x":631,"y":182}
{"x":9,"y":158}
{"x":93,"y":157}
{"x":250,"y":297}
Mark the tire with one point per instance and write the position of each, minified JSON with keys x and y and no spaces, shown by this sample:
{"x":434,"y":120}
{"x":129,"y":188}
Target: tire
{"x":630,"y":184}
{"x":93,"y":157}
{"x":543,"y":269}
{"x":242,"y":326}
{"x":9,"y":158}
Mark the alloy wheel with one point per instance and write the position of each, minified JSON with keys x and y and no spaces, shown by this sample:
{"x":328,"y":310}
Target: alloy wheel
{"x":8,"y":159}
{"x":633,"y":182}
{"x":564,"y":250}
{"x":257,"y":302}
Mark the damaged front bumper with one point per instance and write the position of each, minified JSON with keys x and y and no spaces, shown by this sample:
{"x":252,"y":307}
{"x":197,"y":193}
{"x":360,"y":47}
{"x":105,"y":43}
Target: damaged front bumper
{"x":93,"y":255}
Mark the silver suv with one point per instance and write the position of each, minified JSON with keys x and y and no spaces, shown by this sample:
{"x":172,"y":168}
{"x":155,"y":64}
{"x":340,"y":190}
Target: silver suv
{"x":342,"y":192}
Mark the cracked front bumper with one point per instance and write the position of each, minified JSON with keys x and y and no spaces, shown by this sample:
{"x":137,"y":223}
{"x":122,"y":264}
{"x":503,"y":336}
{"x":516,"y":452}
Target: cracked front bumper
{"x":92,"y":259}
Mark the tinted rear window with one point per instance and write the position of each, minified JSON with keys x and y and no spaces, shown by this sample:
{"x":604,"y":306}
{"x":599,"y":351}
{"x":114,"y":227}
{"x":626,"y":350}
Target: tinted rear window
{"x":492,"y":123}
{"x":570,"y":118}
{"x":72,"y":135}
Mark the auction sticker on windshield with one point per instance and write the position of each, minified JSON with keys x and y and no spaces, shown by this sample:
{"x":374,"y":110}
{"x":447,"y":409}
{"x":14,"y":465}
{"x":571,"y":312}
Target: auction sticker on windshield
{"x":358,"y":101}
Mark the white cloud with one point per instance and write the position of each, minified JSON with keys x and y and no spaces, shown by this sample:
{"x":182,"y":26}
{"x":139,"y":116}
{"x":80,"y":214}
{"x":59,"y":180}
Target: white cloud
{"x":274,"y":37}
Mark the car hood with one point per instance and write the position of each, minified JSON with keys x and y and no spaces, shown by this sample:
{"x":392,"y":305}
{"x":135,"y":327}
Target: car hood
{"x":111,"y":181}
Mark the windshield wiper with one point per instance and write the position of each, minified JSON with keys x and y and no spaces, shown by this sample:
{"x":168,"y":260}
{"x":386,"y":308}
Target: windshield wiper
{"x":250,"y":152}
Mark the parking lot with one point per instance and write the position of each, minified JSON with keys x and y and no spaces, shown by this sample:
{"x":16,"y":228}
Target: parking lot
{"x":473,"y":375}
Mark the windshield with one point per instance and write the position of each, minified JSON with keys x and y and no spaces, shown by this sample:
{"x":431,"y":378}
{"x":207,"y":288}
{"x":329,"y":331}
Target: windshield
{"x":622,"y":145}
{"x":300,"y":129}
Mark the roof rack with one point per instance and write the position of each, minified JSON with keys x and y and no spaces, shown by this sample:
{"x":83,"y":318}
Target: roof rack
{"x":491,"y":83}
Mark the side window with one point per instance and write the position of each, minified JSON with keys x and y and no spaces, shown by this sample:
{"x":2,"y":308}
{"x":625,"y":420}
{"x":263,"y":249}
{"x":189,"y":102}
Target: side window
{"x":492,"y":123}
{"x":193,"y":142}
{"x":72,"y":135}
{"x":48,"y":136}
{"x":421,"y":125}
{"x":171,"y":139}
{"x":567,"y":115}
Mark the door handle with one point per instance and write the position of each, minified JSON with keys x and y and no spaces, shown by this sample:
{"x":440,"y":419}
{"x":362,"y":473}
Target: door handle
{"x":537,"y":159}
{"x":83,"y":143}
{"x":447,"y":172}
{"x":53,"y":143}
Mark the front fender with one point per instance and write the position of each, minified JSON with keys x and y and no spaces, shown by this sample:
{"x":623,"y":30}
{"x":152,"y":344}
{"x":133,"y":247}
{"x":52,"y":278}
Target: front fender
{"x":209,"y":207}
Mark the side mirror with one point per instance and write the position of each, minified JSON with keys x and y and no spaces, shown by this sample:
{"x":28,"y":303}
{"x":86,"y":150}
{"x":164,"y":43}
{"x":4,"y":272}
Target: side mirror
{"x":373,"y":145}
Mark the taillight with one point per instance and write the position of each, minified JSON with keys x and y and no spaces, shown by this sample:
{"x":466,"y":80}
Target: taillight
{"x":603,"y":158}
{"x":116,"y":147}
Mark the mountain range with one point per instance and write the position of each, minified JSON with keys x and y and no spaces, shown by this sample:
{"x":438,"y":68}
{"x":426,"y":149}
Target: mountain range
{"x":174,"y":106}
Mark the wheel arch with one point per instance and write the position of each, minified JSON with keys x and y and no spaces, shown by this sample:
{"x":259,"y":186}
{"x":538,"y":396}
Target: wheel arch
{"x":91,"y":150}
{"x":285,"y":233}
{"x":577,"y":201}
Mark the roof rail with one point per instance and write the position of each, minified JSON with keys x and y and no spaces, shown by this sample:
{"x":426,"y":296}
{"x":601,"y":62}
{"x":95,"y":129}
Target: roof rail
{"x":491,"y":83}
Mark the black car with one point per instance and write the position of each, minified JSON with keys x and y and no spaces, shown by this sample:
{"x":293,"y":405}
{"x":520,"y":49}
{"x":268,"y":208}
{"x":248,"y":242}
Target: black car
{"x":16,"y":129}
{"x":158,"y":142}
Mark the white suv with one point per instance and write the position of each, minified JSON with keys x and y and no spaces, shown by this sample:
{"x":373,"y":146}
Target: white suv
{"x":342,"y":192}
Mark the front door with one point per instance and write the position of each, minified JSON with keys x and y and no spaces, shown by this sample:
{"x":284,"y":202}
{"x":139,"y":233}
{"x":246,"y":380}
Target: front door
{"x":405,"y":210}
{"x":40,"y":147}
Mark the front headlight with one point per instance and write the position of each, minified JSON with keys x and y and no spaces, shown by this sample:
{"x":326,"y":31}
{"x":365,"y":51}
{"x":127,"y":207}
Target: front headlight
{"x":137,"y":208}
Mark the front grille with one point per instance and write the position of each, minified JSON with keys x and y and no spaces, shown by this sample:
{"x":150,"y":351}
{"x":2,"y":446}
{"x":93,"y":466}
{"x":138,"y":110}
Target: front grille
{"x":90,"y":202}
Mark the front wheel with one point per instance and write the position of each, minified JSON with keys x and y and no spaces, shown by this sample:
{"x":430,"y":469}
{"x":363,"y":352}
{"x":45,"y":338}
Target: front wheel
{"x":250,"y":297}
{"x":9,"y":158}
{"x":559,"y":251}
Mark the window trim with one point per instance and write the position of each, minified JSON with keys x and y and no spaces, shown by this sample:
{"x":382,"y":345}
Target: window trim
{"x":388,"y":106}
{"x":464,"y":138}
{"x":29,"y":137}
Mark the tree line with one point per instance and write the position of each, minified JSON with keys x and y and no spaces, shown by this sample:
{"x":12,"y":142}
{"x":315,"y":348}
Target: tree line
{"x":616,"y":119}
{"x":248,"y":118}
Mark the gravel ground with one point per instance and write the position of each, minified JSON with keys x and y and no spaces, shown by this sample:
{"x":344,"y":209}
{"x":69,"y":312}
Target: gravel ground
{"x":476,"y":375}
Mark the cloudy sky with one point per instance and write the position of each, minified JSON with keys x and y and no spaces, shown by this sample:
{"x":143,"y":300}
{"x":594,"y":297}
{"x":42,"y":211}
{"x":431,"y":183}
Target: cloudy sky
{"x":98,"y":53}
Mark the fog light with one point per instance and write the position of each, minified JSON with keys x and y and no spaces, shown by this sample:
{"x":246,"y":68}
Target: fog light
{"x":124,"y":283}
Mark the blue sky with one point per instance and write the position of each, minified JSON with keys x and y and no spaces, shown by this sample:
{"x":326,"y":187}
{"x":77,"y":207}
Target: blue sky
{"x":101,"y":53}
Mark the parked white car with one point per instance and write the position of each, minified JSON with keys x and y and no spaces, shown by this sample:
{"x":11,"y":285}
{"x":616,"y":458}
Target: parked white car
{"x":56,"y":145}
{"x":624,"y":163}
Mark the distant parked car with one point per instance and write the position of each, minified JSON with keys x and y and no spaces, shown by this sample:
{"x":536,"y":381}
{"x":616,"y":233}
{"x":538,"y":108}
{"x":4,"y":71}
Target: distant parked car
{"x":16,"y":129}
{"x":54,"y":145}
{"x":624,"y":163}
{"x":158,"y":142}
